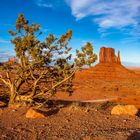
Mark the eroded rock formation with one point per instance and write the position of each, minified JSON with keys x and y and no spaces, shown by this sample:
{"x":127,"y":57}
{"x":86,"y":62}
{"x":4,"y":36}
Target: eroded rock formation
{"x":109,"y":67}
{"x":12,"y":60}
{"x":107,"y":55}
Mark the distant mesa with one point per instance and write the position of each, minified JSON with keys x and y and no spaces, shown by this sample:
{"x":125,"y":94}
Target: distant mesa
{"x":12,"y":60}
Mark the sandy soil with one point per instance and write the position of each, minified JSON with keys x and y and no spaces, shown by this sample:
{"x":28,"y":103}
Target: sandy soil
{"x":88,"y":86}
{"x":72,"y":122}
{"x":69,"y":123}
{"x":136,"y":69}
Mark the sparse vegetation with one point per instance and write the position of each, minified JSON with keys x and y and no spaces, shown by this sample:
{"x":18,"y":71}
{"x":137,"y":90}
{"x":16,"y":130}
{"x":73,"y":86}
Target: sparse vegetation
{"x":44,"y":67}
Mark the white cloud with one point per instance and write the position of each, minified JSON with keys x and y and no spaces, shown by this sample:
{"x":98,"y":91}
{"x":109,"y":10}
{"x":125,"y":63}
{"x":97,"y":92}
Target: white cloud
{"x":45,"y":5}
{"x":42,"y":3}
{"x":106,"y":13}
{"x":4,"y":41}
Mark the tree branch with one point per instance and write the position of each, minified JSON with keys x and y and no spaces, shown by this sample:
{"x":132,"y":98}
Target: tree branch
{"x":4,"y":81}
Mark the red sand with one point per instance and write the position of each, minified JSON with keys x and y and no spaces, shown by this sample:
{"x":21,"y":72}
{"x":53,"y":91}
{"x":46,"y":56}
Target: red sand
{"x":106,"y":82}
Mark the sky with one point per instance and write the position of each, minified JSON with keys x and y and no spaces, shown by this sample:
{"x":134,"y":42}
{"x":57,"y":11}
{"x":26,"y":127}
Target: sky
{"x":110,"y":23}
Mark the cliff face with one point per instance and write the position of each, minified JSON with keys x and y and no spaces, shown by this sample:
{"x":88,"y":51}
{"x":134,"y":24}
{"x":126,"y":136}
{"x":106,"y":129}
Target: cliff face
{"x":107,"y":55}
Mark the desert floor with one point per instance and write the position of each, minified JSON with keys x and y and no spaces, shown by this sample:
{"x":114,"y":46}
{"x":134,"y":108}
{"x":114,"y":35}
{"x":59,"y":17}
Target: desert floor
{"x":69,"y":123}
{"x":73,"y":120}
{"x":88,"y":86}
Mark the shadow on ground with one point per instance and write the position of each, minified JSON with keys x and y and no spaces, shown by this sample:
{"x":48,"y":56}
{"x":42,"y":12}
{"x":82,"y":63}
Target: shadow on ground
{"x":134,"y":136}
{"x":49,"y":112}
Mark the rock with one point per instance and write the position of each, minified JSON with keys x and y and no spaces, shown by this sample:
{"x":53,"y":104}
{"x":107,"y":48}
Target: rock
{"x":32,"y":113}
{"x":107,"y":55}
{"x":125,"y":110}
{"x":86,"y":138}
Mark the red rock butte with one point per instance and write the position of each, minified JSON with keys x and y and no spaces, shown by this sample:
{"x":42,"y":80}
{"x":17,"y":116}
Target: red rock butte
{"x":109,"y":67}
{"x":107,"y":55}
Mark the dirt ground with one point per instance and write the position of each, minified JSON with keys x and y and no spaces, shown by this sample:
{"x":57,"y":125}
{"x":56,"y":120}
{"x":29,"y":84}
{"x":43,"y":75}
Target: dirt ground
{"x":75,"y":122}
{"x":89,"y":86}
{"x":69,"y":123}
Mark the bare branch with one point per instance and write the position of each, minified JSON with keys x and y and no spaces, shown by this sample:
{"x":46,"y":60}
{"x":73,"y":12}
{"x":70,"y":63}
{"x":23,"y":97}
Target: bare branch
{"x":4,"y":81}
{"x":61,"y":82}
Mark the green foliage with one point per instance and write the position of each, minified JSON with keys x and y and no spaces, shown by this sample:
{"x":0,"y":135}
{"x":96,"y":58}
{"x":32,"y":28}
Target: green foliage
{"x":44,"y":67}
{"x":86,"y":56}
{"x":24,"y":40}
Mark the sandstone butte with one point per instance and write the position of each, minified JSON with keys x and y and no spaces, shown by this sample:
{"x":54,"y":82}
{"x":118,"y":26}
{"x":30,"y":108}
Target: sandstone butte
{"x":109,"y":67}
{"x":107,"y":55}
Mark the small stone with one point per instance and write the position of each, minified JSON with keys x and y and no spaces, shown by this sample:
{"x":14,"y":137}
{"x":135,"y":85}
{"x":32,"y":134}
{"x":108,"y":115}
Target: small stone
{"x":67,"y":120}
{"x":87,"y":110}
{"x":125,"y":110}
{"x":14,"y":110}
{"x":32,"y":113}
{"x":86,"y":138}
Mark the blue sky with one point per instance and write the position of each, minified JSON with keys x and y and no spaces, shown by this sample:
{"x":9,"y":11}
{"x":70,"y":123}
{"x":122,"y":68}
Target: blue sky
{"x":112,"y":23}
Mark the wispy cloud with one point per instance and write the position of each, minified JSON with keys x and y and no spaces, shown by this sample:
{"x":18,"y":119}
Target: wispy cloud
{"x":42,"y":3}
{"x":106,"y":13}
{"x":3,"y":41}
{"x":45,"y":5}
{"x":53,"y":4}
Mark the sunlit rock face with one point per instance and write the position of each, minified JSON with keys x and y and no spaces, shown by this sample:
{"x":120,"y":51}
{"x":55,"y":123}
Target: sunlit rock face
{"x":109,"y":67}
{"x":107,"y":55}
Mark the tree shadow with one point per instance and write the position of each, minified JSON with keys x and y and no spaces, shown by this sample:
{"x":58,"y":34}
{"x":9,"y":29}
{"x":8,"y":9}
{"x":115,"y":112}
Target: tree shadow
{"x":65,"y":103}
{"x":50,"y":112}
{"x":58,"y":103}
{"x":4,"y":99}
{"x":134,"y":136}
{"x":138,"y":114}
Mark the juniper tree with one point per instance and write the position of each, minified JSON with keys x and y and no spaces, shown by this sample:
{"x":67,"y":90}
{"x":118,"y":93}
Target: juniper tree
{"x":86,"y":56}
{"x":44,"y":67}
